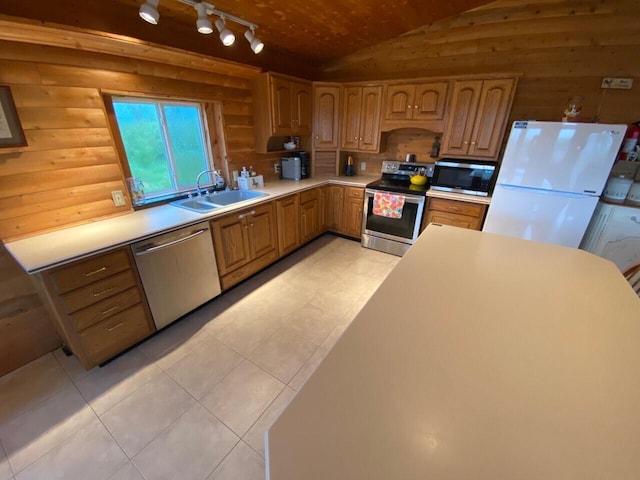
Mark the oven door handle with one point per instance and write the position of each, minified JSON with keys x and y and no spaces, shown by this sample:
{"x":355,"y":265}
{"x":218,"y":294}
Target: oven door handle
{"x":407,"y":196}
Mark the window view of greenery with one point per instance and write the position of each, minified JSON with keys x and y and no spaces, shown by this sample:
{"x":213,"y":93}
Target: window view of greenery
{"x":164,"y":143}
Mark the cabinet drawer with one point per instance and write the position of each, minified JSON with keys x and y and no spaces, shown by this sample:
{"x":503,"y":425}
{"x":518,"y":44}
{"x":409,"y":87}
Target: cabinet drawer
{"x":70,"y":277}
{"x":309,"y":195}
{"x":85,"y":296}
{"x":355,"y":192}
{"x":102,"y":310}
{"x":453,"y":219}
{"x":111,"y":336}
{"x":453,"y":206}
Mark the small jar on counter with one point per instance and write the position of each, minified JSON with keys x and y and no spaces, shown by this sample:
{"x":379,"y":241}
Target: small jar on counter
{"x":617,"y":188}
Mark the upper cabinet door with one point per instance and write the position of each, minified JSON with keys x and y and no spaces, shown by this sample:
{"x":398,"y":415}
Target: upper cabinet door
{"x":301,"y":101}
{"x":477,"y":117}
{"x":429,"y":101}
{"x":352,"y":105}
{"x":399,"y":102}
{"x":462,"y":113}
{"x":281,"y":106}
{"x":491,"y":118}
{"x":369,"y":139}
{"x":326,"y":110}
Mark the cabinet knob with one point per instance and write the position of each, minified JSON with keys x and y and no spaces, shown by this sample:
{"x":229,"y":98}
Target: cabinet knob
{"x":415,"y":106}
{"x":360,"y":138}
{"x":317,"y":137}
{"x":410,"y":106}
{"x":355,"y":138}
{"x":466,"y":142}
{"x":473,"y":143}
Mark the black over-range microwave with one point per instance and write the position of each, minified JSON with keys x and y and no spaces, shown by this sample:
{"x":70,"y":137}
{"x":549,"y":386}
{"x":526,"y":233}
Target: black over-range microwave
{"x":473,"y":177}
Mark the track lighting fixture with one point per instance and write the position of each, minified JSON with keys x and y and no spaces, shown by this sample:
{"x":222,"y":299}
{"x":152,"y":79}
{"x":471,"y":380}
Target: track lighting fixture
{"x":255,"y":42}
{"x":226,"y":36}
{"x":203,"y":23}
{"x":149,"y":12}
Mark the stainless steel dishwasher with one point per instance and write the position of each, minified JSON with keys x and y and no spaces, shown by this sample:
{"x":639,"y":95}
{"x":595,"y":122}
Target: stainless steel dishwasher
{"x":178,"y":271}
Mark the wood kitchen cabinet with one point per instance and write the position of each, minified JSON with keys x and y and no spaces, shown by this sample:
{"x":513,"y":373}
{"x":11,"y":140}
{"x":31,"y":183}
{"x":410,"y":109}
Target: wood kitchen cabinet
{"x":415,"y":105}
{"x":288,"y":217}
{"x":454,"y":212}
{"x":98,"y":305}
{"x":282,"y":108}
{"x":345,"y":210}
{"x":310,"y":215}
{"x":326,"y":110}
{"x":361,"y":108}
{"x":245,"y":242}
{"x":477,"y":117}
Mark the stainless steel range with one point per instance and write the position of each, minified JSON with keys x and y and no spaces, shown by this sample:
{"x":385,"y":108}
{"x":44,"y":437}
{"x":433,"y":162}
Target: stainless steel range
{"x":395,"y":231}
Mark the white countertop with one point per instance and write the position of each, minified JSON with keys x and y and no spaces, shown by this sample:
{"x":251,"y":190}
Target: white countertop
{"x":44,"y":251}
{"x":480,"y":356}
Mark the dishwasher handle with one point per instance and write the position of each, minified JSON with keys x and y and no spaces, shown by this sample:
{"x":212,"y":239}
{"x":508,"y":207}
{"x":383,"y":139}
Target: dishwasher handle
{"x":170,"y":244}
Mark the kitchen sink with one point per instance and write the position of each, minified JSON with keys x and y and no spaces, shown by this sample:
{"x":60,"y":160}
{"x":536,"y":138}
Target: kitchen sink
{"x":195,"y":205}
{"x":229,"y":197}
{"x":216,"y":200}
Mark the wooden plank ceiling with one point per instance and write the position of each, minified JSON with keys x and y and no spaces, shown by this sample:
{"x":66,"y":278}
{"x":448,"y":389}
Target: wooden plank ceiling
{"x":307,"y":33}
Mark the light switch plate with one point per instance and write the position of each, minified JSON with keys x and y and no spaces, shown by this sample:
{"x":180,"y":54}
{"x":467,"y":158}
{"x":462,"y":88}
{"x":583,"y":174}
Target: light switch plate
{"x":363,"y":166}
{"x":118,"y":198}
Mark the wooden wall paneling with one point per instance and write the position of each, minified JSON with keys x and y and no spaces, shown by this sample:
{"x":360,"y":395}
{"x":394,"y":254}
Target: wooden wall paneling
{"x":29,"y":31}
{"x":325,"y":163}
{"x":26,"y":332}
{"x":560,"y":47}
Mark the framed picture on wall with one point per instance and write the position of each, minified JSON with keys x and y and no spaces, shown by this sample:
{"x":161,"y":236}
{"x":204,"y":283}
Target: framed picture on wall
{"x":11,"y":134}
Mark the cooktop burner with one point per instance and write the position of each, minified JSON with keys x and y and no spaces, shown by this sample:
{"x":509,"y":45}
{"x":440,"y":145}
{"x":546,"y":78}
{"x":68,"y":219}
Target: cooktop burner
{"x":398,"y":186}
{"x":396,"y":177}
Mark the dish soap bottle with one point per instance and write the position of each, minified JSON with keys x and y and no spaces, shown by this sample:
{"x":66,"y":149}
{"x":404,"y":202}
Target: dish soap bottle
{"x":349,"y":169}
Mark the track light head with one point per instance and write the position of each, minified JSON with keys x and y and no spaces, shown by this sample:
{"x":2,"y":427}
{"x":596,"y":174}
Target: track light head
{"x":255,"y":42}
{"x":203,"y":23}
{"x":149,"y":11}
{"x":226,"y":36}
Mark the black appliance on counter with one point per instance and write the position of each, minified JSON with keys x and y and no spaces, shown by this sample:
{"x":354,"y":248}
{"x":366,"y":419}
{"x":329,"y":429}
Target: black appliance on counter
{"x":395,"y":235}
{"x":472,"y":177}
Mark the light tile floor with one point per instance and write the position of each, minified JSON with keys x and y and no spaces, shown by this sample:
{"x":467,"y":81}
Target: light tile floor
{"x":194,"y":401}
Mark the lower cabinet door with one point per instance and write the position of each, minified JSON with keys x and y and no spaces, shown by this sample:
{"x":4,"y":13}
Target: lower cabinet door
{"x":288,"y":232}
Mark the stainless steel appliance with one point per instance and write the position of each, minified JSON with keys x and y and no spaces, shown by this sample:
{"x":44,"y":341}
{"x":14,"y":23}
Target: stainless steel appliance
{"x":178,"y":271}
{"x":395,"y":235}
{"x":295,"y":167}
{"x":473,"y":177}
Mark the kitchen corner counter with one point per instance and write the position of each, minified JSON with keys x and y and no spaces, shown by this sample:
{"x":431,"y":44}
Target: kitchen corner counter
{"x":47,"y":250}
{"x":480,"y":356}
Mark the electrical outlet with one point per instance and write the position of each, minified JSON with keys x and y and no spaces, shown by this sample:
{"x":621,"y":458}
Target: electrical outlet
{"x":363,"y":166}
{"x":118,"y":198}
{"x":276,"y":167}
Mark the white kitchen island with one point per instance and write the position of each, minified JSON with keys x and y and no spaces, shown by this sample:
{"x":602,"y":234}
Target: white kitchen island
{"x":480,"y":357}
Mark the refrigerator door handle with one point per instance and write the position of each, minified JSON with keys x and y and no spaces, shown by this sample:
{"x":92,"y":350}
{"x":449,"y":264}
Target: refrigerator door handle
{"x":546,"y":192}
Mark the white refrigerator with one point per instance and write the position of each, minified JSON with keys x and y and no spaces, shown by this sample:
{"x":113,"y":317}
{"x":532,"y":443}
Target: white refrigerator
{"x":614,"y":233}
{"x":550,"y":180}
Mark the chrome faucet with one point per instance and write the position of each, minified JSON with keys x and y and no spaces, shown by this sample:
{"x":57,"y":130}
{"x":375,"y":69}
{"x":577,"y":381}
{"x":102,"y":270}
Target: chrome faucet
{"x":200,"y":176}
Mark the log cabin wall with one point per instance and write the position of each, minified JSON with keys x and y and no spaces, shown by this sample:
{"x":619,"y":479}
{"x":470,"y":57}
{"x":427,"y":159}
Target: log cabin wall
{"x":67,"y":172}
{"x":561,"y":47}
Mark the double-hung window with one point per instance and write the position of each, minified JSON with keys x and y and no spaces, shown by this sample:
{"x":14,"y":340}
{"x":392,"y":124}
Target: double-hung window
{"x":165,"y":143}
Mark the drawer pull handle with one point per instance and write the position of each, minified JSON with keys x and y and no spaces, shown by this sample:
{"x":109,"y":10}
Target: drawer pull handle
{"x":102,"y":292}
{"x":88,"y":274}
{"x":242,"y":215}
{"x":111,"y":329}
{"x":109,"y":310}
